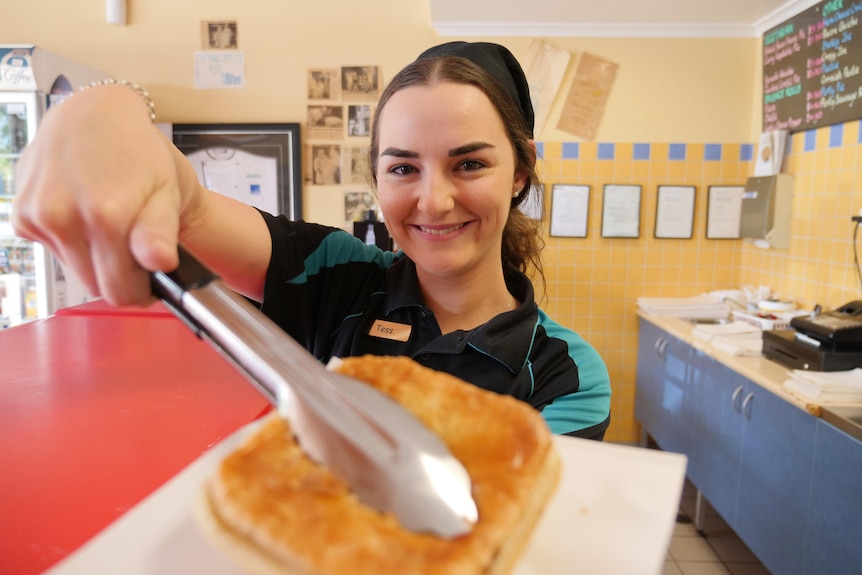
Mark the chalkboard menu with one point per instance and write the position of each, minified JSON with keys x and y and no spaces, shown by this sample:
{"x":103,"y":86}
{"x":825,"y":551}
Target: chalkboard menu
{"x":811,"y":68}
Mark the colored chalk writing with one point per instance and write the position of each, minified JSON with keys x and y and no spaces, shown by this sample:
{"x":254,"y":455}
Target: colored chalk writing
{"x":811,"y":68}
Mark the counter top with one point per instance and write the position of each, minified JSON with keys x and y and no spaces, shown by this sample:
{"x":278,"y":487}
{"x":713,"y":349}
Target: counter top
{"x":98,"y":408}
{"x":765,"y":372}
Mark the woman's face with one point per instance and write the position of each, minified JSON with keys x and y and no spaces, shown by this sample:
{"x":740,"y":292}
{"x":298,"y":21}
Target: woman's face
{"x":446,"y":177}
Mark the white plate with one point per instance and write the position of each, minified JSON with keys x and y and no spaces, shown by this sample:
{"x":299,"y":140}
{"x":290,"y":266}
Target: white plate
{"x":613,"y":513}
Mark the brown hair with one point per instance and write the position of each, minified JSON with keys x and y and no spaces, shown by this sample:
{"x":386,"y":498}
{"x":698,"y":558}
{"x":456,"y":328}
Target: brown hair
{"x":522,"y":238}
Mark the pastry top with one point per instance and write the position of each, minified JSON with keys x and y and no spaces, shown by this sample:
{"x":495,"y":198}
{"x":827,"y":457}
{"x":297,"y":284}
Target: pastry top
{"x":306,"y":517}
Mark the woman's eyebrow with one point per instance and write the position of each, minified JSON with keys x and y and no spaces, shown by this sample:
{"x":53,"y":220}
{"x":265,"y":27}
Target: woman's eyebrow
{"x":454,"y":152}
{"x":468,"y":148}
{"x":399,"y":153}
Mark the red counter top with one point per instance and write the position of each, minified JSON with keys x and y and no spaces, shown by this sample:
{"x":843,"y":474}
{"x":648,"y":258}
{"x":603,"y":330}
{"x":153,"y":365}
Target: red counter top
{"x":98,"y":408}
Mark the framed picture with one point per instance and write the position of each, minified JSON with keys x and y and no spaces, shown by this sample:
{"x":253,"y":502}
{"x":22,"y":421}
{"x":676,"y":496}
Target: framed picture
{"x":532,"y":204}
{"x":724,"y":212}
{"x":621,"y":211}
{"x":570,"y":206}
{"x":674,"y":214}
{"x":258,"y":164}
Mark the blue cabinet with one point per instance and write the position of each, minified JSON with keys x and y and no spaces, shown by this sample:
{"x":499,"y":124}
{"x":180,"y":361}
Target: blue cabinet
{"x":775,"y":480}
{"x":753,"y":455}
{"x":834,"y":541}
{"x":663,"y":399}
{"x":715,"y":466}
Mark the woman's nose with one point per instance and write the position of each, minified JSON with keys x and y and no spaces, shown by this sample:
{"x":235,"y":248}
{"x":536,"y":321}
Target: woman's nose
{"x":436,"y":195}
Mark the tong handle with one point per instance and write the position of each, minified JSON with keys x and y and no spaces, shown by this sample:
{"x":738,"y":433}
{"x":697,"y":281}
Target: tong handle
{"x":170,"y":286}
{"x":270,"y":359}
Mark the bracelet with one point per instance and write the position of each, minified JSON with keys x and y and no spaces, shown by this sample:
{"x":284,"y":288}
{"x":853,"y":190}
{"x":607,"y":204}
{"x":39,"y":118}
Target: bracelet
{"x":145,"y":96}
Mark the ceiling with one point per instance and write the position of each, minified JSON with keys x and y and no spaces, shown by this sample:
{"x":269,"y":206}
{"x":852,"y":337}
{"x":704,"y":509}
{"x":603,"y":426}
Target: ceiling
{"x":612,"y":18}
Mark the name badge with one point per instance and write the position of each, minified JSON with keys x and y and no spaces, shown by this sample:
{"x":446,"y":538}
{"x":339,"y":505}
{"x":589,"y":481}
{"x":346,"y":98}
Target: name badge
{"x":390,"y":330}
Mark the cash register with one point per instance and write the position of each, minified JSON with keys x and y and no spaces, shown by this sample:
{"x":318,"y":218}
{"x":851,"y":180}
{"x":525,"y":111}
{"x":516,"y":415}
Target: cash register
{"x":828,"y":341}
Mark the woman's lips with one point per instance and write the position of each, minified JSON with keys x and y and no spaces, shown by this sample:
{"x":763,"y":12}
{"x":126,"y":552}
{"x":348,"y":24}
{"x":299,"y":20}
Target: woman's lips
{"x":440,"y":231}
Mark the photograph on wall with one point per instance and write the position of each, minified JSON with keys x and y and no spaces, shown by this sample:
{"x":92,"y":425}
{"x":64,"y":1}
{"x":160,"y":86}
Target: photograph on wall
{"x":219,"y":35}
{"x":325,"y":164}
{"x":356,"y":206}
{"x":359,"y":121}
{"x":325,"y":122}
{"x":360,"y":82}
{"x":324,"y":84}
{"x":356,"y":169}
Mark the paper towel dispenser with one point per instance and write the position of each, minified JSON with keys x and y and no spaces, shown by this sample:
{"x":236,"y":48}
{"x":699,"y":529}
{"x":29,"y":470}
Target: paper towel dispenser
{"x":766,"y":210}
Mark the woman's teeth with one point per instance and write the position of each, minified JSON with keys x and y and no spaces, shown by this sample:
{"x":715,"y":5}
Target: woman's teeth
{"x":440,"y":231}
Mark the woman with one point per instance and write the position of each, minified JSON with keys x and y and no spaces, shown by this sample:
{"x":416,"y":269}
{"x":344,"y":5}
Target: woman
{"x":451,"y":158}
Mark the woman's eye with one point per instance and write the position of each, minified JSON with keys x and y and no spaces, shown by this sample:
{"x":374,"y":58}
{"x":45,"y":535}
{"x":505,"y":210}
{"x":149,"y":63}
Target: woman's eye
{"x":472,"y":165}
{"x":402,"y":169}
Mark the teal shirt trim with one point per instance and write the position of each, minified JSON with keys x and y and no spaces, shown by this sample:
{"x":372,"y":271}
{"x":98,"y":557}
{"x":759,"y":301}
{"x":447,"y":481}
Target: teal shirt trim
{"x":591,"y":404}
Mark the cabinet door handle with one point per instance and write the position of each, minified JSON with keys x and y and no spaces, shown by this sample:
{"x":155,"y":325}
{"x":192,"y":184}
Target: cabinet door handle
{"x":734,"y":399}
{"x":661,"y":347}
{"x":746,"y":405}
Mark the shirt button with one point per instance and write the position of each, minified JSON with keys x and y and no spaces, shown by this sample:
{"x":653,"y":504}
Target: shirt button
{"x":425,"y":356}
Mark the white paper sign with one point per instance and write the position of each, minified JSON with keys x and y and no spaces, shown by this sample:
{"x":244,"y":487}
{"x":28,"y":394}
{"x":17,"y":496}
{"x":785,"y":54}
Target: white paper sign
{"x":215,"y":69}
{"x":569,"y":210}
{"x":724,"y":212}
{"x":621,"y":211}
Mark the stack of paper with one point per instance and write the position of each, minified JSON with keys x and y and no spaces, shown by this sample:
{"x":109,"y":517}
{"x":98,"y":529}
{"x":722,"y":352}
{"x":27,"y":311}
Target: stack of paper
{"x":826,"y":386}
{"x":735,"y":338}
{"x":770,"y":153}
{"x":702,"y":306}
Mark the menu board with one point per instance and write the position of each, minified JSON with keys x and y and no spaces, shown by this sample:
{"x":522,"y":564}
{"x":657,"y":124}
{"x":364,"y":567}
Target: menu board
{"x":811,"y":68}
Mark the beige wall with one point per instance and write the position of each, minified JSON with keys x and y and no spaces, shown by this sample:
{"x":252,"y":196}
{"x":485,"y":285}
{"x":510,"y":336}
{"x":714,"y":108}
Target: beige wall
{"x":666,"y":90}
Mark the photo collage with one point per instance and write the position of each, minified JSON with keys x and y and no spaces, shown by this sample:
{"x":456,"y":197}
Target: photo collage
{"x":341,"y":105}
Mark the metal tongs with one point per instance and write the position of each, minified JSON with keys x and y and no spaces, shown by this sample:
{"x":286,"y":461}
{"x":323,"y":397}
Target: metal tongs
{"x":390,"y":459}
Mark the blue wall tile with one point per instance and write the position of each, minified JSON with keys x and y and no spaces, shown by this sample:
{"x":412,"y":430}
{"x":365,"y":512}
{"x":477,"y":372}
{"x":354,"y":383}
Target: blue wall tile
{"x":810,"y":140}
{"x":540,"y":149}
{"x":836,"y":135}
{"x":641,"y":152}
{"x":571,"y":150}
{"x":676,"y":152}
{"x":606,"y":151}
{"x":712,"y":152}
{"x":746,"y":152}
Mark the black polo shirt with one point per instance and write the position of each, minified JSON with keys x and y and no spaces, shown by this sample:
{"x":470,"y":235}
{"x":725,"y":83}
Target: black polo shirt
{"x":339,"y":298}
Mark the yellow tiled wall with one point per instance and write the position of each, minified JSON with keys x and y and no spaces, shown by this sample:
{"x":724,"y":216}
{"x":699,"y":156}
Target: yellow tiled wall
{"x":592,"y":283}
{"x":818,"y":268}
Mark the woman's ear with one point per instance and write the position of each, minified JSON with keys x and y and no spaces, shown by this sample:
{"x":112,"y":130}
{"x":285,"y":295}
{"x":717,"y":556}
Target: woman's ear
{"x":521,"y":176}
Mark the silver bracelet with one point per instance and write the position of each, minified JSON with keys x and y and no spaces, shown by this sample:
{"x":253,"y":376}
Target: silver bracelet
{"x":145,"y":96}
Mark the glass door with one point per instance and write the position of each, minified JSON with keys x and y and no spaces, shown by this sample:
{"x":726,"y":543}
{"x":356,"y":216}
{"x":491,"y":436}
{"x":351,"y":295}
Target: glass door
{"x":23,"y":289}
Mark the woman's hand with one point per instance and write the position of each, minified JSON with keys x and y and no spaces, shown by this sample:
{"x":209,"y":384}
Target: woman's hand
{"x":104,"y":190}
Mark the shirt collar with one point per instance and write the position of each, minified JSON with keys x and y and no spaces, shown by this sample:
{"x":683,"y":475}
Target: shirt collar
{"x":506,"y":337}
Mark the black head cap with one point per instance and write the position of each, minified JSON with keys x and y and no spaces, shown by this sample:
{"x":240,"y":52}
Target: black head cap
{"x":497,"y":61}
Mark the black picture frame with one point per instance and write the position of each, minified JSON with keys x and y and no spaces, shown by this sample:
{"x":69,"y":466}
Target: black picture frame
{"x":674,"y":213}
{"x":570,"y":210}
{"x":264,"y":141}
{"x":621,"y":211}
{"x":724,"y":212}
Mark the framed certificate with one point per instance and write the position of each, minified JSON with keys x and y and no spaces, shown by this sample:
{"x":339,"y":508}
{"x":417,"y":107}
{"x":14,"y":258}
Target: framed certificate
{"x":724,"y":212}
{"x":570,"y":207}
{"x":621,"y":211}
{"x":674,"y":214}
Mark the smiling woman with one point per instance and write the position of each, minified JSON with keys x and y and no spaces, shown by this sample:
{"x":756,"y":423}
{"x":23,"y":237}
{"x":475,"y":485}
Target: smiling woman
{"x":452,"y":158}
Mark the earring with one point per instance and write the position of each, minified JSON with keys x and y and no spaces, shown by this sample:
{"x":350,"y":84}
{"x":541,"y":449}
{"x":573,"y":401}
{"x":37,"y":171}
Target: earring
{"x":516,"y":194}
